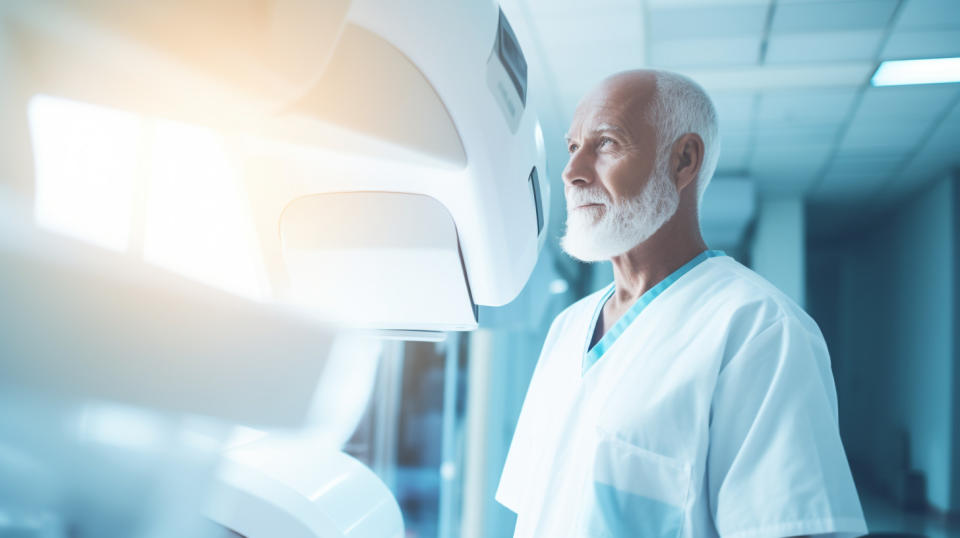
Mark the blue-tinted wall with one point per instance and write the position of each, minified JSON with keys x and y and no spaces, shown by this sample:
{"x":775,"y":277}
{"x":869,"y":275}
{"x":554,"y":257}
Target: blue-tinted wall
{"x":886,"y":299}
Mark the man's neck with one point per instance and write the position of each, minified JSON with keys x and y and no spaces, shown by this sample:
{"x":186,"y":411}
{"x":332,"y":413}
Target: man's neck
{"x":645,"y":265}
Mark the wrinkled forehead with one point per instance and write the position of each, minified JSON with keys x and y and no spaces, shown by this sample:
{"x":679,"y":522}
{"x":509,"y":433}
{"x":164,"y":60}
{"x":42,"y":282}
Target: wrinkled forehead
{"x":617,"y":107}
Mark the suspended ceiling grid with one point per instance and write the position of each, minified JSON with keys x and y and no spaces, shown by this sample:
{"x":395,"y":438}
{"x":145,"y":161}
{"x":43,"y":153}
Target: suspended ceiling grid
{"x":790,"y":79}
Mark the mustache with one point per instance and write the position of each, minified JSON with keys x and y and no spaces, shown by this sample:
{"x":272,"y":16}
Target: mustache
{"x":580,"y":196}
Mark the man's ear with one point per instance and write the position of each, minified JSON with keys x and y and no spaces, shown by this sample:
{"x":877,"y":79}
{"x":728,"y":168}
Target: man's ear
{"x":686,"y":159}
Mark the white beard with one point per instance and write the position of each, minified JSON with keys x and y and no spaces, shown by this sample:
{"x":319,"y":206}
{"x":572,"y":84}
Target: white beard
{"x":622,"y":225}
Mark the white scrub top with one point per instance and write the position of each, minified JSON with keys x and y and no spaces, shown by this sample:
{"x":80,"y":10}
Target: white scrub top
{"x":709,"y":409}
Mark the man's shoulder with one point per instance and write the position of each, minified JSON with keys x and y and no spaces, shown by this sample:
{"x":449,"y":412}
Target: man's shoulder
{"x":746,"y":305}
{"x":741,"y":290}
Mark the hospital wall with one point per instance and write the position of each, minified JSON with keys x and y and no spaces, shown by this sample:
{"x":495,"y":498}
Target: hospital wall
{"x":777,"y":249}
{"x":886,"y":298}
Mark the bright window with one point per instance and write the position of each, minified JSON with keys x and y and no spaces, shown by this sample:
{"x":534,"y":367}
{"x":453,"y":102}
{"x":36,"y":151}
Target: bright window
{"x":168,"y":192}
{"x":86,"y":162}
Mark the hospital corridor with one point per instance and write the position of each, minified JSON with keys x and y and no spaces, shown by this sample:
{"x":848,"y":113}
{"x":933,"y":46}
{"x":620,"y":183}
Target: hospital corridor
{"x":479,"y":268}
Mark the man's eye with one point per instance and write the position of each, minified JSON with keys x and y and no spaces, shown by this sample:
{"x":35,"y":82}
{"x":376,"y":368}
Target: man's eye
{"x":604,"y":141}
{"x":572,"y":147}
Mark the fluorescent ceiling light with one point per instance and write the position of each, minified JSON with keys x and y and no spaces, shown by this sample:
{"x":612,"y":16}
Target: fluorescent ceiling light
{"x":929,"y":71}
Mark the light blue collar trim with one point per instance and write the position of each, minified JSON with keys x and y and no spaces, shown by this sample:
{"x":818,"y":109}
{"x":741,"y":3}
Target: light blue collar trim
{"x":593,"y":355}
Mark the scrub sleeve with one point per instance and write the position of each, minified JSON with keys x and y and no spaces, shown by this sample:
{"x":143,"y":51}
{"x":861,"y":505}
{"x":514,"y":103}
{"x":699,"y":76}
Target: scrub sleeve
{"x":776,"y":465}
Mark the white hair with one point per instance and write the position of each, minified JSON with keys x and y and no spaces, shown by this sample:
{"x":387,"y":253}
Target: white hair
{"x":682,"y":106}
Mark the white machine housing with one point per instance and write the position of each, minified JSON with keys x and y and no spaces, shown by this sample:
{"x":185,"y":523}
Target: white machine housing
{"x":473,"y":236}
{"x":292,"y":488}
{"x":399,"y":159}
{"x":344,"y":99}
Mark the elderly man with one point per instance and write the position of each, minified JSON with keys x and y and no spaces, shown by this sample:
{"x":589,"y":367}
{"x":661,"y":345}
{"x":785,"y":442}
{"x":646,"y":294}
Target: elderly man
{"x":690,"y":397}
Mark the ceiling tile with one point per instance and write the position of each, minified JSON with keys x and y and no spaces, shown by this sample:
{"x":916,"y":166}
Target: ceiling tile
{"x":775,"y":165}
{"x":577,"y":67}
{"x":832,"y":15}
{"x":805,"y":107}
{"x":927,"y":165}
{"x":823,"y":47}
{"x":603,"y":26}
{"x":705,"y":52}
{"x":867,"y":153}
{"x":920,"y":44}
{"x":774,"y":154}
{"x":776,"y":182}
{"x":784,"y":76}
{"x":848,"y":188}
{"x":734,"y":109}
{"x":854,"y":182}
{"x":706,"y":22}
{"x":906,"y":102}
{"x":865,"y":165}
{"x":888,"y":136}
{"x":658,"y":4}
{"x":921,"y":14}
{"x":949,"y":127}
{"x":939,"y":150}
{"x":785,"y":135}
{"x":568,"y":7}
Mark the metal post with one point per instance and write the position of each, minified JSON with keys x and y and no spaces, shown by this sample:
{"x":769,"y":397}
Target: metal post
{"x":480,"y":360}
{"x":387,"y":417}
{"x":448,"y":462}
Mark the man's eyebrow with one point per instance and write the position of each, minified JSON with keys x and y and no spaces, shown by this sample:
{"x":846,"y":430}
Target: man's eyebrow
{"x":601,"y":128}
{"x":608,"y":127}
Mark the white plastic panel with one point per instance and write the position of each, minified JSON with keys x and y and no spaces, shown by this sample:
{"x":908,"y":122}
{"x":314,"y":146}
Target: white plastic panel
{"x":448,"y":140}
{"x":365,"y":98}
{"x":490,"y":201}
{"x":82,"y":322}
{"x":377,"y":260}
{"x":296,"y":488}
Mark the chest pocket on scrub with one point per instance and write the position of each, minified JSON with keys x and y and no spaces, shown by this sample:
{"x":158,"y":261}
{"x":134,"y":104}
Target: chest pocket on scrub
{"x":633,"y":492}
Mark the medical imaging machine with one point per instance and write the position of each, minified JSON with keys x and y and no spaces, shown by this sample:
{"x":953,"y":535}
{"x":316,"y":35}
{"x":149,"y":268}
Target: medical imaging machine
{"x":395,"y":171}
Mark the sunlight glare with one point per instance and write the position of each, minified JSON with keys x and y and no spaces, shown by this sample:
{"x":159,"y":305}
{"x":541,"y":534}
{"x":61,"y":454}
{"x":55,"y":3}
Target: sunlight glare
{"x":85,"y":159}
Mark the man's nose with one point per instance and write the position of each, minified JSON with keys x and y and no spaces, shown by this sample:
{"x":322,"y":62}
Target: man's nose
{"x":579,"y":170}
